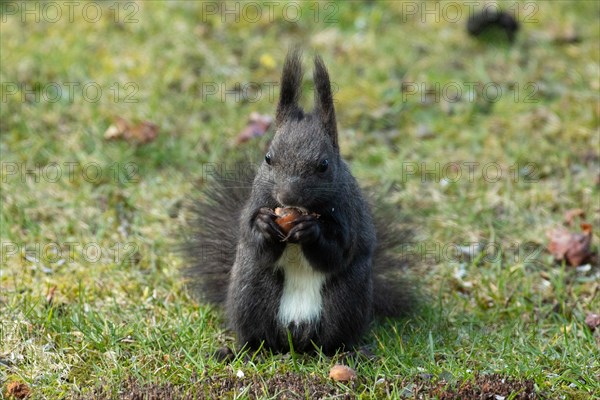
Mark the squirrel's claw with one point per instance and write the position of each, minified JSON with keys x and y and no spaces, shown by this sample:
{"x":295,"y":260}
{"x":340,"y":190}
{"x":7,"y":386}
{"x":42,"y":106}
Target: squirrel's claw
{"x":266,"y":225}
{"x":306,"y":230}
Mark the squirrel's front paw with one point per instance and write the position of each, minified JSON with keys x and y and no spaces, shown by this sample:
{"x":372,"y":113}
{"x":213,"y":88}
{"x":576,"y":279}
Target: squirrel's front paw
{"x":307,"y":229}
{"x":265,"y":223}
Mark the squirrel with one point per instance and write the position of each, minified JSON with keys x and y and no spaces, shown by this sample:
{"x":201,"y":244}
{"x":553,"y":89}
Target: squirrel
{"x":319,"y":285}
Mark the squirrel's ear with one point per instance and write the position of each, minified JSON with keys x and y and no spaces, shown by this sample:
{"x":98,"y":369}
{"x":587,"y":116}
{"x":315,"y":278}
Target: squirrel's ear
{"x":324,"y":108}
{"x":291,"y":79}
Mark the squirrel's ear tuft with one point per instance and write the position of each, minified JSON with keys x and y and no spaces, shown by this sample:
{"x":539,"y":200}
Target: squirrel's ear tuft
{"x":291,"y":79}
{"x":324,"y":108}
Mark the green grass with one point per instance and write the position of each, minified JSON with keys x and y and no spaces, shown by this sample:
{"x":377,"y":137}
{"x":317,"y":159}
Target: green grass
{"x":123,"y":315}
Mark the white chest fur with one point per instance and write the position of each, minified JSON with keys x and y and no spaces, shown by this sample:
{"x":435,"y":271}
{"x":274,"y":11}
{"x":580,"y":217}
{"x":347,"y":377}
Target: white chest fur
{"x":301,"y":299}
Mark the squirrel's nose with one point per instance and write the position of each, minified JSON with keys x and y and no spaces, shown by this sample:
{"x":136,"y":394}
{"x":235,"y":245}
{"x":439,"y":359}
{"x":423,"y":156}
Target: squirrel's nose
{"x":287,"y":195}
{"x":285,"y":198}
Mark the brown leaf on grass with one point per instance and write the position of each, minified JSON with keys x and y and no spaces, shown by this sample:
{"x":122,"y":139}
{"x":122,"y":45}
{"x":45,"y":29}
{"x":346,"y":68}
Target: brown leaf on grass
{"x":258,"y":125}
{"x":574,"y":248}
{"x":144,"y":132}
{"x":141,"y":133}
{"x":117,"y":129}
{"x":592,"y":321}
{"x":18,"y":390}
{"x":50,"y":295}
{"x":571,"y":214}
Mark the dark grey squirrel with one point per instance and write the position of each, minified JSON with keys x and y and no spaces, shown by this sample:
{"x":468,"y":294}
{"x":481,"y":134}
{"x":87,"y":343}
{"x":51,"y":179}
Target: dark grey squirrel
{"x":321,"y":284}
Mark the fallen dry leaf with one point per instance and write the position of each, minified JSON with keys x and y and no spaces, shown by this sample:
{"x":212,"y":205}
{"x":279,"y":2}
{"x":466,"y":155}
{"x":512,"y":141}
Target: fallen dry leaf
{"x":18,"y":390}
{"x":571,"y":247}
{"x":50,"y":295}
{"x":342,"y":373}
{"x":570,"y":215}
{"x":117,"y":129}
{"x":592,"y":321}
{"x":258,"y":125}
{"x":142,"y":133}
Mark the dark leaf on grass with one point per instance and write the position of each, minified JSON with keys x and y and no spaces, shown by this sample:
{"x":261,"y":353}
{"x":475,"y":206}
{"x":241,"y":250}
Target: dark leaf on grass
{"x":491,"y":18}
{"x":574,"y":248}
{"x":592,"y":321}
{"x":258,"y":125}
{"x":18,"y":390}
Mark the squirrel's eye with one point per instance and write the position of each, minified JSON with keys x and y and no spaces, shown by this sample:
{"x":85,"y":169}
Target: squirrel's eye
{"x":323,"y":166}
{"x":268,"y":158}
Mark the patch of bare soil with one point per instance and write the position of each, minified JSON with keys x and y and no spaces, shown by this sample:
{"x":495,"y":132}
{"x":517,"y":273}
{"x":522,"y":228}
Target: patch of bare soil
{"x":297,"y":386}
{"x":485,"y":387}
{"x":283,"y":386}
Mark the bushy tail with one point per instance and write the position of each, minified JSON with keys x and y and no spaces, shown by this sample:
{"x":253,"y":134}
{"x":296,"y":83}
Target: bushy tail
{"x":211,"y":237}
{"x":395,"y":294}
